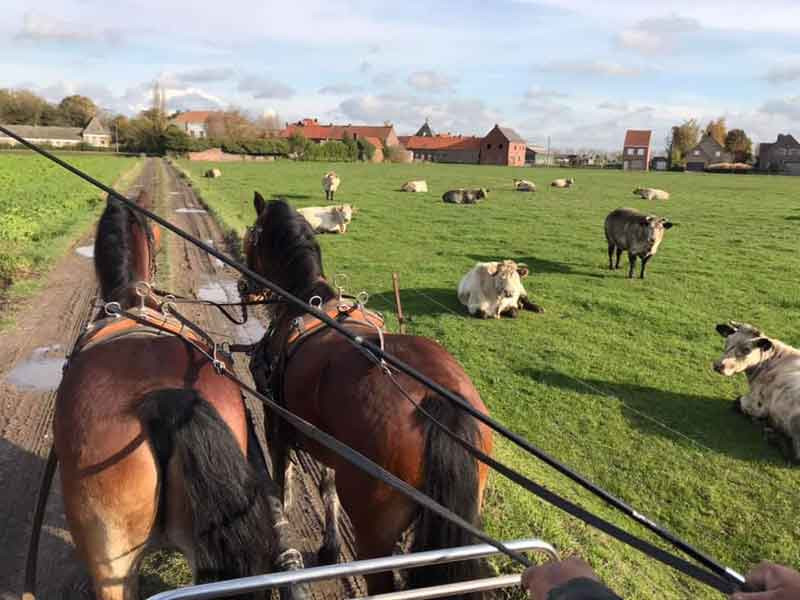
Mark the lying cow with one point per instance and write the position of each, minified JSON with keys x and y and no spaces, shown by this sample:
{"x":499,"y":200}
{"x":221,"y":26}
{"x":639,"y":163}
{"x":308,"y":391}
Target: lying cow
{"x":415,"y":186}
{"x":494,"y":289}
{"x":462,"y":196}
{"x":651,"y":194}
{"x":330,"y":183}
{"x":773,"y":372}
{"x":328,"y":219}
{"x":563,"y":183}
{"x":639,"y":234}
{"x":523,"y":185}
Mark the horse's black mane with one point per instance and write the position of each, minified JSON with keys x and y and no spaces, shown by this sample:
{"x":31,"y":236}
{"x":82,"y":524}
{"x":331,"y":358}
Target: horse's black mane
{"x":290,"y":251}
{"x":113,"y":249}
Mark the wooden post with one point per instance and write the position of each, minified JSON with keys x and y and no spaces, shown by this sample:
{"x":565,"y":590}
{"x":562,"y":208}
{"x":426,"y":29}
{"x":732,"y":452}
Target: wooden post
{"x":400,"y":319}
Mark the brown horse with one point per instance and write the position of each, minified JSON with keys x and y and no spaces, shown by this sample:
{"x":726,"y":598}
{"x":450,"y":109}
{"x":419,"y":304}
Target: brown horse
{"x":319,"y":375}
{"x":152,"y":442}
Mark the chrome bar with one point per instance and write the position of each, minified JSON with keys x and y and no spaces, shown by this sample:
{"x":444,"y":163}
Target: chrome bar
{"x":451,"y":589}
{"x":221,"y":589}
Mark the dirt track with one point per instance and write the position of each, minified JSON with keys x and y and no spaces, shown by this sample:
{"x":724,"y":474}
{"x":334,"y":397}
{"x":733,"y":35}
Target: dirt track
{"x":31,"y":355}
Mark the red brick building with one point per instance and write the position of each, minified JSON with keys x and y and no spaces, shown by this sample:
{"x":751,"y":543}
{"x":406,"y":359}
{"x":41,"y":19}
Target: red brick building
{"x":443,"y":148}
{"x":502,"y":146}
{"x":636,"y":150}
{"x":312,"y":130}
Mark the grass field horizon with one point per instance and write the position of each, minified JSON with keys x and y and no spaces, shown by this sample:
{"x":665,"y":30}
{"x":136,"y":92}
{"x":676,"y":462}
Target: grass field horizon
{"x":614,"y":379}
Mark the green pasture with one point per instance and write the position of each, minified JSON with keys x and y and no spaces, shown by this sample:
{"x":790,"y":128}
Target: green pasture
{"x":43,"y":208}
{"x":614,"y":379}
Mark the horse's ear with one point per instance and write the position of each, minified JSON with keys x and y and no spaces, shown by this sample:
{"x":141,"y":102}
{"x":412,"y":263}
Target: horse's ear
{"x":259,"y":203}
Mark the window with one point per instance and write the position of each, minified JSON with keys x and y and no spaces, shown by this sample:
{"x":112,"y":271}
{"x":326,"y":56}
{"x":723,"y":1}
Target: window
{"x":696,"y":153}
{"x":488,"y":146}
{"x":717,"y":153}
{"x":500,"y":146}
{"x":640,"y":151}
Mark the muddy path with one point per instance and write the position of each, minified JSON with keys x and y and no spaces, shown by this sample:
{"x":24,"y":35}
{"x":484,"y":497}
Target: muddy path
{"x":32,"y":353}
{"x":193,"y":273}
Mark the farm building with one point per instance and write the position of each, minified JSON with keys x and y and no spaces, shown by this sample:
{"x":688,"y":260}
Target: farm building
{"x":443,"y":148}
{"x":196,"y":123}
{"x":780,"y":156}
{"x":312,"y":130}
{"x":536,"y":155}
{"x":94,"y":134}
{"x":705,"y":153}
{"x":502,"y":146}
{"x":636,"y":150}
{"x":659,"y":163}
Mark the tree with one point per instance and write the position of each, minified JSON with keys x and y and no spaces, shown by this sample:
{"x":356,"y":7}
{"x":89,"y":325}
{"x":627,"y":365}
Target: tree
{"x":717,"y":130}
{"x":738,"y":144}
{"x":77,"y":110}
{"x":268,"y":125}
{"x":684,"y":137}
{"x":237,"y":126}
{"x":21,"y":107}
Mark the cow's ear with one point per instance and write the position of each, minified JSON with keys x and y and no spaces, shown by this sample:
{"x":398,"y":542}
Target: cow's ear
{"x":668,"y":224}
{"x":258,"y":203}
{"x":725,"y":330}
{"x":491,"y":268}
{"x":763,"y":343}
{"x":523,"y":270}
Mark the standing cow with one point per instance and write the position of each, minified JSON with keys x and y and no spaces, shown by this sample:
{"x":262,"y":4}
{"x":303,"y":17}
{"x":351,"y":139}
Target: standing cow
{"x":563,"y":183}
{"x":330,"y":183}
{"x":639,"y":234}
{"x":462,"y":196}
{"x":494,"y":289}
{"x":773,"y":372}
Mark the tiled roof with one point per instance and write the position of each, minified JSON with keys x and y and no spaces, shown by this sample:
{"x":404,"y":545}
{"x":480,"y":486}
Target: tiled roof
{"x":96,"y":127}
{"x":32,"y":132}
{"x":336,"y":132}
{"x":638,"y":138}
{"x":511,"y":135}
{"x":194,"y":116}
{"x":440,"y":142}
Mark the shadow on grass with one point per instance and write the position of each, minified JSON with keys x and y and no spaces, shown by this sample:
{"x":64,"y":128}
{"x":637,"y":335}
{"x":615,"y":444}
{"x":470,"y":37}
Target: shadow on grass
{"x":673,"y":415}
{"x":280,"y":196}
{"x":427,"y":301}
{"x":793,"y":218}
{"x":542,"y":265}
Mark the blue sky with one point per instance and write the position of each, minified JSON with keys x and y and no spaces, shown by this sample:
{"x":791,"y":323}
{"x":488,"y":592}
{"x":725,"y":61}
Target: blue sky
{"x":578,"y":71}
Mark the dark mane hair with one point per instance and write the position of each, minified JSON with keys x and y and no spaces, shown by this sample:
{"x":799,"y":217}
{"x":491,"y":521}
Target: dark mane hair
{"x":290,"y":252}
{"x":113,"y":248}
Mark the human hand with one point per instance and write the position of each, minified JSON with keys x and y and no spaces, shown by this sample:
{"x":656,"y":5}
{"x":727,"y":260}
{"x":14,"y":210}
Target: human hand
{"x":539,"y":580}
{"x":768,"y":581}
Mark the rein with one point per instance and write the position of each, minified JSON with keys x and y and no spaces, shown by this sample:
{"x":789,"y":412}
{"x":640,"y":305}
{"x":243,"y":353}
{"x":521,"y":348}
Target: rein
{"x":721,"y":578}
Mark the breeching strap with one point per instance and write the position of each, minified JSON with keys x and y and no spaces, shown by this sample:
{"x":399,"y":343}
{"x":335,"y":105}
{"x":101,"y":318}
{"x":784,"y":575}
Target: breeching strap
{"x":729,"y":576}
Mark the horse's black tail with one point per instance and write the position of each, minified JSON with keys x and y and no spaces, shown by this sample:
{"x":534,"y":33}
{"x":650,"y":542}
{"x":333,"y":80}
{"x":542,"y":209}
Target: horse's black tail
{"x":231,"y":528}
{"x":451,"y":478}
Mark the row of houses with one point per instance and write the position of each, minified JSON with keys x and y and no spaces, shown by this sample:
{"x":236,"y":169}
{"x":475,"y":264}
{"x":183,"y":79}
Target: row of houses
{"x":780,"y":156}
{"x":94,"y":134}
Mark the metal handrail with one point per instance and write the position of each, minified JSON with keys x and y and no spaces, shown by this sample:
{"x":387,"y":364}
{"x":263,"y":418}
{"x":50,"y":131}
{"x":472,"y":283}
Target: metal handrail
{"x":243,"y":585}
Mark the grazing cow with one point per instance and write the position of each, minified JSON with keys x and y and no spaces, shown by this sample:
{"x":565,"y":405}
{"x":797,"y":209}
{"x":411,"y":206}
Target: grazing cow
{"x":773,"y":372}
{"x":328,"y":219}
{"x":330,"y":183}
{"x":462,"y":196}
{"x":563,"y":183}
{"x":523,"y":185}
{"x":494,"y":289}
{"x":213,"y":173}
{"x":639,"y":234}
{"x":415,"y":186}
{"x":651,"y":193}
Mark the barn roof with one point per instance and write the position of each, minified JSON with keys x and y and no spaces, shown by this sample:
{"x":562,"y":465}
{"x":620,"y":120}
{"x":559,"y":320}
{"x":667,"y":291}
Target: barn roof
{"x":638,"y":138}
{"x":510,"y":135}
{"x":96,"y":127}
{"x":440,"y":142}
{"x":45,"y":132}
{"x":337,"y":132}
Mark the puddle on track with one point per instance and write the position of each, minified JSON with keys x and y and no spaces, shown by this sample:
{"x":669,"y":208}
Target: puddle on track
{"x":41,"y":371}
{"x":225,"y":290}
{"x":85,"y":251}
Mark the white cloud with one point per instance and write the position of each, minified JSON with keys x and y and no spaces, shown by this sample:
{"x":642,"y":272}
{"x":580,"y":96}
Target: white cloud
{"x":205,"y":75}
{"x":590,"y":67}
{"x":657,"y":34}
{"x":788,"y":108}
{"x":38,"y":27}
{"x":338,"y":89}
{"x":430,"y":81}
{"x":537,"y":93}
{"x":264,"y":87}
{"x":784,"y":74}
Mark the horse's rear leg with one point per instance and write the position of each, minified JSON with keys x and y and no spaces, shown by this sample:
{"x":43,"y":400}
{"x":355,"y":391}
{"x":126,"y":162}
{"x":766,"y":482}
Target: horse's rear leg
{"x":332,"y":542}
{"x":111,"y":514}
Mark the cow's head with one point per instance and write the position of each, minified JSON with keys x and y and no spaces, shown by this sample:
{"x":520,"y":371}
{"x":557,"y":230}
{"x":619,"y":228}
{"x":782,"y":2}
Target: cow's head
{"x":346,"y":211}
{"x":637,"y":190}
{"x":506,"y":278}
{"x":481,"y":193}
{"x":653,"y":228}
{"x":745,"y":347}
{"x":571,"y":181}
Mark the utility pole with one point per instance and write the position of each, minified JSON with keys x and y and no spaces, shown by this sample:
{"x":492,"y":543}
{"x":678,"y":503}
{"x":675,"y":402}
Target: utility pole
{"x":548,"y":150}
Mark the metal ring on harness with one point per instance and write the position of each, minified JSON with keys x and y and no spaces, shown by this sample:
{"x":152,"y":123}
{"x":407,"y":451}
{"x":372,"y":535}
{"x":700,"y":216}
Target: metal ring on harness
{"x":167,"y":305}
{"x":112,"y":309}
{"x":362,"y":298}
{"x":316,"y":302}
